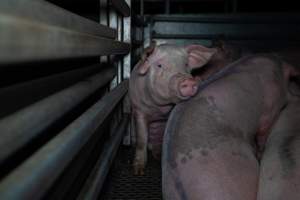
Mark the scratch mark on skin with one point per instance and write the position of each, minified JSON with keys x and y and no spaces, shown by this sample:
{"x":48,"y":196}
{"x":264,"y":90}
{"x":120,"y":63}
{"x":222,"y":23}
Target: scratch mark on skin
{"x":286,"y":153}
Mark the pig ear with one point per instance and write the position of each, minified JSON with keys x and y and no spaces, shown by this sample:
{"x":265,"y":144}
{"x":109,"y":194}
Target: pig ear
{"x":144,"y":64}
{"x":143,"y":67}
{"x":199,"y":55}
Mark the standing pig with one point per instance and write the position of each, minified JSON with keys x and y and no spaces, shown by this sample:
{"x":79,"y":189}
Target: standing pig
{"x":280,"y":164}
{"x":161,"y":79}
{"x":209,"y":144}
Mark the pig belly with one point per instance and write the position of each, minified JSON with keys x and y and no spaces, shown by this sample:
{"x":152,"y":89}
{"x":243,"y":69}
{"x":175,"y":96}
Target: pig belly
{"x":205,"y":158}
{"x":156,"y":133}
{"x":220,"y":174}
{"x":280,"y":164}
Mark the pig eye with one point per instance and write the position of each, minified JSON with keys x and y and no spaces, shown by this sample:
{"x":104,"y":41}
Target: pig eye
{"x":160,"y":66}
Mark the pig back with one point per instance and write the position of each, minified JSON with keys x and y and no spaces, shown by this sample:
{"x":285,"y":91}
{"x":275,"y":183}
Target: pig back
{"x":209,"y":149}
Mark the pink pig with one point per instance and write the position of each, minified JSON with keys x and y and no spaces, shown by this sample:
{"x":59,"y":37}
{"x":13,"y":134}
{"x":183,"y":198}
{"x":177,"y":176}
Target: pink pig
{"x":160,"y":80}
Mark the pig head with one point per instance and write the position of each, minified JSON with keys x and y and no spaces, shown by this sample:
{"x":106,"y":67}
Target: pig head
{"x":161,"y":79}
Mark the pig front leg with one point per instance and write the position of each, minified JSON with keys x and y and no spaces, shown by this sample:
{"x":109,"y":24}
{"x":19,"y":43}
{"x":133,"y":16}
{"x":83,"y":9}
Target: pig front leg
{"x":141,"y":130}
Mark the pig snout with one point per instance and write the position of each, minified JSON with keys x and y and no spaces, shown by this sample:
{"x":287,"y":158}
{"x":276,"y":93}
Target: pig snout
{"x":188,"y":87}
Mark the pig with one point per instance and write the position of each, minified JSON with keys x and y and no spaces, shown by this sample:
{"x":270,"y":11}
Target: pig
{"x":210,"y":141}
{"x":161,"y":79}
{"x":280,"y":165}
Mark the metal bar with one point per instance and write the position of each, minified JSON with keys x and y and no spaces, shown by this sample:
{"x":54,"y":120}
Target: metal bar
{"x":225,"y":37}
{"x":103,"y":15}
{"x":48,"y":14}
{"x":227,"y":6}
{"x":113,"y":23}
{"x":259,"y":18}
{"x":183,"y":1}
{"x":234,"y":6}
{"x":167,"y":6}
{"x":97,"y":177}
{"x":40,"y":88}
{"x":137,"y":43}
{"x":138,"y":21}
{"x":22,"y":41}
{"x":149,"y":36}
{"x":120,"y":38}
{"x":36,"y":175}
{"x":122,"y":7}
{"x":143,"y":37}
{"x":127,"y":68}
{"x":142,"y":7}
{"x":21,"y":127}
{"x":127,"y":39}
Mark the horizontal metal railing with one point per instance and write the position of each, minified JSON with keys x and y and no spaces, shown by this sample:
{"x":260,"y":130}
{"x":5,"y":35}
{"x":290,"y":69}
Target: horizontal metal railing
{"x":21,"y":127}
{"x":55,"y":123}
{"x":258,"y":18}
{"x":30,"y":37}
{"x":45,"y":13}
{"x":13,"y":96}
{"x":244,"y":37}
{"x":96,"y":179}
{"x":234,"y":28}
{"x":33,"y":178}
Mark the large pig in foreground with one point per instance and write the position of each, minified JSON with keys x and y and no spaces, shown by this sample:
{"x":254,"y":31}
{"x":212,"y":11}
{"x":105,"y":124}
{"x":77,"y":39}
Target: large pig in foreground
{"x":161,"y":79}
{"x":209,"y":150}
{"x":280,"y":165}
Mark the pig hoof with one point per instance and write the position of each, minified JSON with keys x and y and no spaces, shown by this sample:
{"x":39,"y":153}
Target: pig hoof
{"x":139,"y":169}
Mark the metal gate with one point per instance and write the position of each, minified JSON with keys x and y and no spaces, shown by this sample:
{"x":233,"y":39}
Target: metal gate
{"x":62,"y":116}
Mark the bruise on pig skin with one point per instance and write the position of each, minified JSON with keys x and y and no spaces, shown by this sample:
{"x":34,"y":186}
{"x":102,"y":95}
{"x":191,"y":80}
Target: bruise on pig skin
{"x":192,"y":140}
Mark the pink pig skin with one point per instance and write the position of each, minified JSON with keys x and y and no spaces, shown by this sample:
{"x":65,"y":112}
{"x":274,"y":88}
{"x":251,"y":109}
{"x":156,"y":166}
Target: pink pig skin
{"x":209,"y":149}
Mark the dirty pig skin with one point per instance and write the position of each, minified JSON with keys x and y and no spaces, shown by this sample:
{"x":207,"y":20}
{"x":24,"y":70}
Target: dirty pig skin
{"x":161,"y":79}
{"x":209,"y":149}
